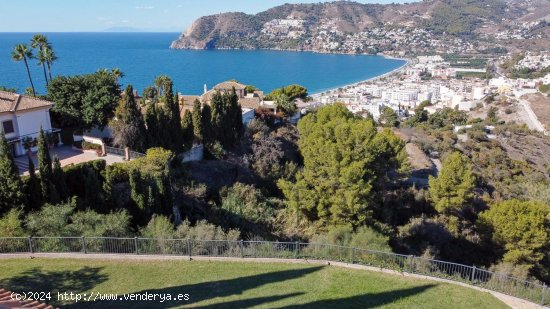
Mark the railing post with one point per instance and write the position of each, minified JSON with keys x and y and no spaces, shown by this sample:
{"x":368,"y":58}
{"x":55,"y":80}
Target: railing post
{"x":189,"y":247}
{"x":544,"y":290}
{"x":411,"y":263}
{"x":473,"y":274}
{"x":296,"y":249}
{"x":353,"y":255}
{"x":241,"y":246}
{"x":126,"y":153}
{"x":83,"y":244}
{"x":136,"y":245}
{"x":30,"y":244}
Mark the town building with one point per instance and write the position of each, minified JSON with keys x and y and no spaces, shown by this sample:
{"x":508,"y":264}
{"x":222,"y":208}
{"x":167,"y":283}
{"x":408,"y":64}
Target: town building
{"x":21,"y":118}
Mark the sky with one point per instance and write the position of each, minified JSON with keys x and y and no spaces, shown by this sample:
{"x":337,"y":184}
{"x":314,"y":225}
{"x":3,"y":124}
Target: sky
{"x":144,"y":15}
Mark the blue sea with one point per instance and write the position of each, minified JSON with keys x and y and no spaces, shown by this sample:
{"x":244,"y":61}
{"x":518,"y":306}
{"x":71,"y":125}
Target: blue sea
{"x":143,"y":56}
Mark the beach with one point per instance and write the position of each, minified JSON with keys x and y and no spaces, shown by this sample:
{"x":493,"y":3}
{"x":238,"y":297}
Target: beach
{"x":359,"y":83}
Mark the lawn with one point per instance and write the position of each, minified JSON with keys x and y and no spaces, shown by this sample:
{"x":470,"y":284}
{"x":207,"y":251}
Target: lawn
{"x":233,"y":285}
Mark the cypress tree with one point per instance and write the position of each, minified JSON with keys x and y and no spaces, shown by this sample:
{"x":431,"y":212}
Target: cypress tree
{"x":34,"y":192}
{"x":197,"y":121}
{"x":236,"y":116}
{"x":173,"y":116}
{"x":44,"y":165}
{"x":224,"y":128}
{"x":11,"y":194}
{"x":129,"y":126}
{"x":151,"y":120}
{"x":163,"y":134}
{"x":58,"y":178}
{"x":228,"y":129}
{"x":187,"y":129}
{"x":206,"y":119}
{"x":136,"y":189}
{"x":216,"y":116}
{"x":164,"y":189}
{"x":110,"y":201}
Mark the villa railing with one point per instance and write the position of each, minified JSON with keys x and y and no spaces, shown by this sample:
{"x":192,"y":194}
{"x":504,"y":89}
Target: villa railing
{"x":122,"y":152}
{"x":135,"y":154}
{"x":115,"y":151}
{"x":531,"y":291}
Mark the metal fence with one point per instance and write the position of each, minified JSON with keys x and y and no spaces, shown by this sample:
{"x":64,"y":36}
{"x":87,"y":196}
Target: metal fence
{"x":122,"y":152}
{"x":135,"y":154}
{"x":531,"y":291}
{"x":115,"y":151}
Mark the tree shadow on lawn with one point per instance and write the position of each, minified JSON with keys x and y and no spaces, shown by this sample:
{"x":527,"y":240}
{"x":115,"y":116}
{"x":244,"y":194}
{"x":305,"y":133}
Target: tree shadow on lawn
{"x":38,"y":280}
{"x":208,"y":290}
{"x":238,"y":286}
{"x":370,"y":300}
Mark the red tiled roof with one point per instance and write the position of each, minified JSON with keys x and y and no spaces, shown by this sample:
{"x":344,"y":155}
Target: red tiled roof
{"x":13,"y":102}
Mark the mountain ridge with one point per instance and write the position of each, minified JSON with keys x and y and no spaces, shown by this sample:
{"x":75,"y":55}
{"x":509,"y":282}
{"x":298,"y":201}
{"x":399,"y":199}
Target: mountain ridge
{"x":322,"y":26}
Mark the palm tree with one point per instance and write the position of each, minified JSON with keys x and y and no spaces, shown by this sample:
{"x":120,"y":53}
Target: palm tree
{"x":160,"y":81}
{"x":21,"y":52}
{"x":40,"y":41}
{"x":42,"y":61}
{"x":50,"y":57}
{"x":117,"y":73}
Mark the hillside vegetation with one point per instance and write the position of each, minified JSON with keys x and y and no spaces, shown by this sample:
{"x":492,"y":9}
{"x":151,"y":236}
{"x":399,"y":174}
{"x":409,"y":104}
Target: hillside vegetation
{"x":342,"y":18}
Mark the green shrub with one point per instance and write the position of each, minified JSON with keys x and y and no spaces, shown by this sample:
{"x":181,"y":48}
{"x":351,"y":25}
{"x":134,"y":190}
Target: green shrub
{"x":367,"y":238}
{"x":11,"y":224}
{"x":202,"y":230}
{"x":244,"y":203}
{"x":216,"y":150}
{"x":159,"y":227}
{"x":90,"y":146}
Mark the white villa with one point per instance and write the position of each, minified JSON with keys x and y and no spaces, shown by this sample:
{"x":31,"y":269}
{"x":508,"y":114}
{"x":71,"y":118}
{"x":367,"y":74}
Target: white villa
{"x":22,"y":117}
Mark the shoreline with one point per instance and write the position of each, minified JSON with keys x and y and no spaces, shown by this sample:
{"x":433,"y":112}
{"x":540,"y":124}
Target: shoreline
{"x":318,"y":93}
{"x":361,"y":82}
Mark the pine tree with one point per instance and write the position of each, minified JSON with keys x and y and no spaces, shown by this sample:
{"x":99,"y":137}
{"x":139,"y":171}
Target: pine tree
{"x":58,"y":179}
{"x":44,"y":165}
{"x":197,"y":121}
{"x":34,"y":191}
{"x":11,"y":194}
{"x":128,"y":126}
{"x":206,"y":119}
{"x":453,"y":187}
{"x":187,"y":129}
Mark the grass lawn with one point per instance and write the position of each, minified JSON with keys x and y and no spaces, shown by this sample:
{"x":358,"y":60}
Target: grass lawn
{"x":233,"y":285}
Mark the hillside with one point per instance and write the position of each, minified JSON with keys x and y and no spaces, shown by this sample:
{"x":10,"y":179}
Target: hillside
{"x":351,"y":27}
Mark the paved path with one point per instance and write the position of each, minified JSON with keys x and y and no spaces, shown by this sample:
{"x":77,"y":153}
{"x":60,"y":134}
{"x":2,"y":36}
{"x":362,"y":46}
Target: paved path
{"x":67,"y":156}
{"x":512,"y":302}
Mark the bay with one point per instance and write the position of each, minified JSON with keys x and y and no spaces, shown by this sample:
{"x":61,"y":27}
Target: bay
{"x":143,"y":56}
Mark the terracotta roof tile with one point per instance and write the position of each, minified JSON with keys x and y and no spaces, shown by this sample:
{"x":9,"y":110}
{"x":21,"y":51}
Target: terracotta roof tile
{"x":250,"y":102}
{"x":229,"y":86}
{"x":13,"y":102}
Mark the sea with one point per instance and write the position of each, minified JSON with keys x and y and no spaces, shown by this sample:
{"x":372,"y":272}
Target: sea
{"x":143,"y":56}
